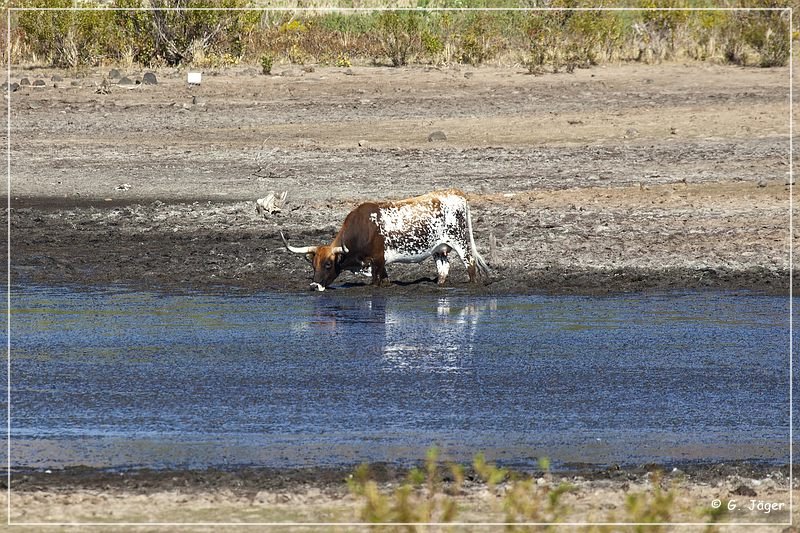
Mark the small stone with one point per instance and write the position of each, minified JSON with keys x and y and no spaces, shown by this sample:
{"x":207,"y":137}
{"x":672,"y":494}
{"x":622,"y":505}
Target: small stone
{"x":362,"y":143}
{"x":115,"y":74}
{"x":630,"y":133}
{"x":149,"y":78}
{"x":348,"y":72}
{"x":74,"y":83}
{"x":39,"y":83}
{"x":125,"y":81}
{"x":762,"y":183}
{"x":437,"y":135}
{"x":24,"y":81}
{"x":468,"y":75}
{"x":56,"y":78}
{"x":673,"y":131}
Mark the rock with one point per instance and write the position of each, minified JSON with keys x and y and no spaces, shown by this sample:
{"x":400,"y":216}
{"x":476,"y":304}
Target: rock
{"x":673,"y":131}
{"x":437,"y":135}
{"x":123,"y":187}
{"x":24,"y":82}
{"x":75,"y":83}
{"x":39,"y":83}
{"x":125,"y":81}
{"x":14,"y":87}
{"x":270,"y":204}
{"x":292,"y":73}
{"x":468,"y":75}
{"x":56,"y":78}
{"x":349,"y":72}
{"x":362,"y":143}
{"x":115,"y":74}
{"x":762,"y":183}
{"x":149,"y":78}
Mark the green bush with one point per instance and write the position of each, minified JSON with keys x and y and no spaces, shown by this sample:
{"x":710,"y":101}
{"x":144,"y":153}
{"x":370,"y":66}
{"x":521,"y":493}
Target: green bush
{"x":398,"y":33}
{"x":266,"y":64}
{"x":480,"y":40}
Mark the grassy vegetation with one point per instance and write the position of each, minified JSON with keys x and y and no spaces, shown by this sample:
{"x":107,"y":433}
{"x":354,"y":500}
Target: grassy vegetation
{"x":430,"y":495}
{"x":538,"y":40}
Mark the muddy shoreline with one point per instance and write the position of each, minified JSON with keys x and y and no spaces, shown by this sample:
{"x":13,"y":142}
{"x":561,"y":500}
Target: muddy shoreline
{"x":130,"y":244}
{"x":614,"y":179}
{"x":335,"y":478}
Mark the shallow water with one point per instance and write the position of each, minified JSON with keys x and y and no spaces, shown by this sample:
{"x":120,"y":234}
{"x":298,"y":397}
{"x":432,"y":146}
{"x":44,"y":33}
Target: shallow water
{"x":117,"y":379}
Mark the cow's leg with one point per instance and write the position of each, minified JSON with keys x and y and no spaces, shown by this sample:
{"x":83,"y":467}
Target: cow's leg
{"x":442,"y":266}
{"x":469,"y":261}
{"x":378,"y":271}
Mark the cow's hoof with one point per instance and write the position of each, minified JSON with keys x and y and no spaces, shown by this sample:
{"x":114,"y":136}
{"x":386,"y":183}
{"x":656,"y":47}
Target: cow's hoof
{"x":317,"y":287}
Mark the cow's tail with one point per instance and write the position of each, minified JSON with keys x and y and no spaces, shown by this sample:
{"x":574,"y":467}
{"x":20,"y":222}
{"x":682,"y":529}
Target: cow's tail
{"x":483,"y":268}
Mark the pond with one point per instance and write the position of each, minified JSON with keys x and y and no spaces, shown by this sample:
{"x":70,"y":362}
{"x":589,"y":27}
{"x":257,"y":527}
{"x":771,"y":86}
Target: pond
{"x":115,"y":378}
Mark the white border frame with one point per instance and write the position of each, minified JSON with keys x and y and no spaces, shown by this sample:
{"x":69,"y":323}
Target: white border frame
{"x":9,"y":11}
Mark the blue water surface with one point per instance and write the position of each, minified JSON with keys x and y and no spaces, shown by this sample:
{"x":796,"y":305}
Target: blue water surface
{"x":115,"y":378}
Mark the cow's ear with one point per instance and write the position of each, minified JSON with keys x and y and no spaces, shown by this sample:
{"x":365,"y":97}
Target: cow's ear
{"x":310,"y":257}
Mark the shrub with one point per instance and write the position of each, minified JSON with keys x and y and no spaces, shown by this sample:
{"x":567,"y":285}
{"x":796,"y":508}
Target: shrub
{"x":409,"y":503}
{"x":480,"y":41}
{"x":266,"y":64}
{"x":398,"y":33}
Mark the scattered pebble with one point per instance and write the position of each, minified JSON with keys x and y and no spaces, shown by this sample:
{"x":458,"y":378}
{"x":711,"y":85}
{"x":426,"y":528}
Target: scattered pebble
{"x":149,"y":78}
{"x":437,"y":135}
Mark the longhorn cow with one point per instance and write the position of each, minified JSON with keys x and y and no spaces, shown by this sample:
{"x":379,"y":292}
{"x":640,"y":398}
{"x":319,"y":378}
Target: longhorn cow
{"x":376,"y":234}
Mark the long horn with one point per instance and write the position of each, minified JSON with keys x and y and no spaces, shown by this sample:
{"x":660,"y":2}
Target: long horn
{"x":339,"y":249}
{"x":298,"y":249}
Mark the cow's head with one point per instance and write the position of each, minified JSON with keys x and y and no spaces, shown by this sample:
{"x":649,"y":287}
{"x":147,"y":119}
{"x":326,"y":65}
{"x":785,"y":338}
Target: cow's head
{"x":326,"y":260}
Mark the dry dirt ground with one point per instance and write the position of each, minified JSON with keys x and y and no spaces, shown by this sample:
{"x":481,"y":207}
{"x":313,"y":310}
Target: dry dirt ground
{"x":616,"y":178}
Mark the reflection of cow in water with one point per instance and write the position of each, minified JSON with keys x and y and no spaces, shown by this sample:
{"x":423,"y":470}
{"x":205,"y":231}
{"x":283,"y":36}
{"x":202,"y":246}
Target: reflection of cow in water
{"x":440,"y":343}
{"x":376,"y":234}
{"x":404,"y":336}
